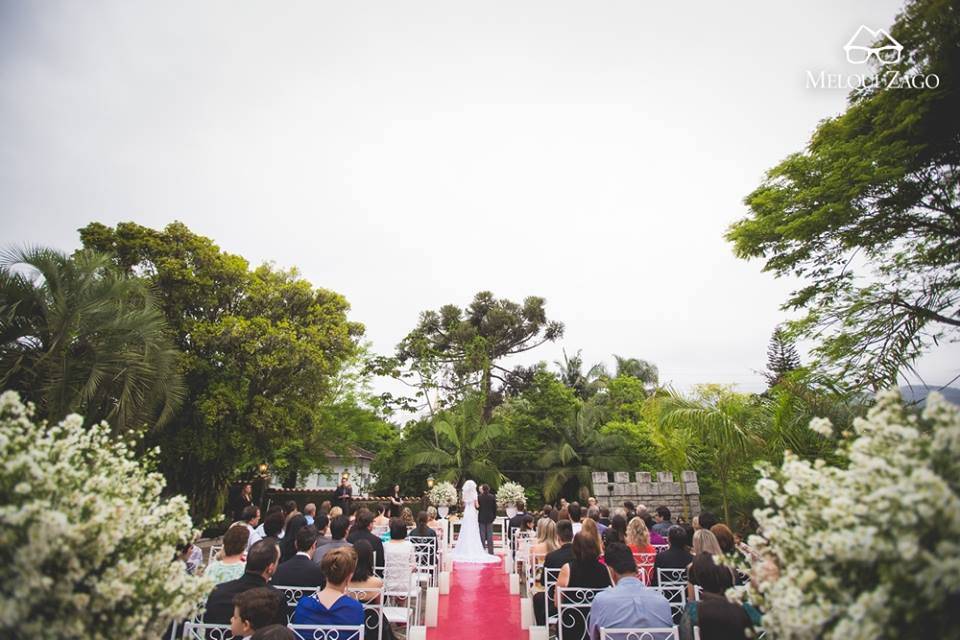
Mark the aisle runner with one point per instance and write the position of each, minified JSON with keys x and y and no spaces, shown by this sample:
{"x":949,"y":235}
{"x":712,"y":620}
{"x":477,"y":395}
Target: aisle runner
{"x":479,"y":606}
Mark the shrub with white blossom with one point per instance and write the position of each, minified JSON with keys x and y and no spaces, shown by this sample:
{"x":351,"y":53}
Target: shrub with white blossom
{"x":509,"y":494}
{"x":443,"y":494}
{"x":86,"y":542}
{"x":870,"y":548}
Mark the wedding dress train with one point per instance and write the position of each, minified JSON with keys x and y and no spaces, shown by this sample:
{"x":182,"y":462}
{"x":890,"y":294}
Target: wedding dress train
{"x":469,"y":547}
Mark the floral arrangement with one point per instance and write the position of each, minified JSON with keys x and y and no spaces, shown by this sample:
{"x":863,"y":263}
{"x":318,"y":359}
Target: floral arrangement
{"x":869,"y":548}
{"x":88,"y":543}
{"x":509,"y":494}
{"x":443,"y":494}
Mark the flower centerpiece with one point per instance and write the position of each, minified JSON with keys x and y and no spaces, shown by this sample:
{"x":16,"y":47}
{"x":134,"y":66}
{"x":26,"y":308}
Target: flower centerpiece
{"x":866,"y":548}
{"x":443,"y":495}
{"x":68,"y":486}
{"x":508,"y":495}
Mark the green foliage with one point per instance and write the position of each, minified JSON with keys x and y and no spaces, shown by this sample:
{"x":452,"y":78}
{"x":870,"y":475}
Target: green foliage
{"x":461,"y":446}
{"x":77,"y":335}
{"x":262,"y":349}
{"x":869,"y":214}
{"x":584,"y":384}
{"x":782,"y":357}
{"x":456,"y":350}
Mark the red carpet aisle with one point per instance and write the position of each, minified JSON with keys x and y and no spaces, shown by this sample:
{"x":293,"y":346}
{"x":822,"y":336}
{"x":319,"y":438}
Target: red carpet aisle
{"x":479,"y":606}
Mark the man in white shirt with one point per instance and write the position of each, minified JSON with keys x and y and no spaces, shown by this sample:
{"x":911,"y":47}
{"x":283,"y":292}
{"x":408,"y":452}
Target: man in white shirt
{"x":574,"y":511}
{"x":249,"y":519}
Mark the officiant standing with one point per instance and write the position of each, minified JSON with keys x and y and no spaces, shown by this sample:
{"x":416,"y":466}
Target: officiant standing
{"x":343,"y":495}
{"x":486,"y":514}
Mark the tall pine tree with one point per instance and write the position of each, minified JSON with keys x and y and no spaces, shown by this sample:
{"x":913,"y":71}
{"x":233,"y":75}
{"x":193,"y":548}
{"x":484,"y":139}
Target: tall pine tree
{"x":782,"y":357}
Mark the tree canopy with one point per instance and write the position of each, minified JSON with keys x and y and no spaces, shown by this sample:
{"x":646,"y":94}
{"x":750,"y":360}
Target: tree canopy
{"x":869,"y":214}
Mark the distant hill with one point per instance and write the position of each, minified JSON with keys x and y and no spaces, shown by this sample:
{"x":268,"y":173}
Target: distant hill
{"x":918,"y":393}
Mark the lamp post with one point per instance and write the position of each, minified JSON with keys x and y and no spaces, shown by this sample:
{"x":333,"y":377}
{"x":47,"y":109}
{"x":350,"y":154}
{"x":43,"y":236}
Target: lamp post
{"x":426,"y":502}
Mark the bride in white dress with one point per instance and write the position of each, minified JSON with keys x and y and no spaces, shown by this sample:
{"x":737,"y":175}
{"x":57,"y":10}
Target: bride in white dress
{"x":469,"y":547}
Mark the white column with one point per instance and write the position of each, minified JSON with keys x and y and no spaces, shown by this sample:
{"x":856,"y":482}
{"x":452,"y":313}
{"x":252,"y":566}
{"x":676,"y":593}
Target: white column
{"x":433,"y":605}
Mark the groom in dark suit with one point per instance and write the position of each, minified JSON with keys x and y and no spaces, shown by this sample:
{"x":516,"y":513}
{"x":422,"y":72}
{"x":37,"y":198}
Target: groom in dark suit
{"x":486,"y":514}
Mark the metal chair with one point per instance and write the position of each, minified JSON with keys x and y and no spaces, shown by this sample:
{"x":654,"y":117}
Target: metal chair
{"x":645,"y":633}
{"x":573,"y":612}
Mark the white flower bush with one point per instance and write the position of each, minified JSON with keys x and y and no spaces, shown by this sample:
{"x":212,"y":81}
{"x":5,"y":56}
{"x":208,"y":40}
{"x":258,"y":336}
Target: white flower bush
{"x":86,"y":542}
{"x":509,"y":494}
{"x":443,"y":494}
{"x":871,"y":548}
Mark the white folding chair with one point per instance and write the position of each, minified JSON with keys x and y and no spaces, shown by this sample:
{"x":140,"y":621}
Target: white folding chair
{"x":206,"y":631}
{"x":425,"y":559}
{"x":573,"y":612}
{"x":372,"y":600}
{"x":292,"y":595}
{"x":644,"y":633}
{"x":644,"y":563}
{"x":401,"y":606}
{"x":671,"y":576}
{"x":676,"y":595}
{"x":213,"y":551}
{"x":326,"y":632}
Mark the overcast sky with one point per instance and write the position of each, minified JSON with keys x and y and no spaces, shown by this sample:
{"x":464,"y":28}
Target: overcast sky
{"x":410,"y":154}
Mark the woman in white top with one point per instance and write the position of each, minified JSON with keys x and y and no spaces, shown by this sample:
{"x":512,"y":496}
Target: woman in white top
{"x":398,"y":559}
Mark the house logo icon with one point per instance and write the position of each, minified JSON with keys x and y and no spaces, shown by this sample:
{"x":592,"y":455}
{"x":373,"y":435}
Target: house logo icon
{"x":861,"y":47}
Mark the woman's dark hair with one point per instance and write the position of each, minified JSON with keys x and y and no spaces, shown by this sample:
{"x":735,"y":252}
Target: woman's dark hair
{"x":396,"y":489}
{"x":382,"y":508}
{"x":677,"y":536}
{"x":273,"y":524}
{"x":688,"y":529}
{"x":422,"y":527}
{"x":611,"y":536}
{"x":584,"y":547}
{"x":619,"y":524}
{"x":274,"y":632}
{"x":290,"y":506}
{"x":526,"y":523}
{"x":398,"y":529}
{"x":724,"y":537}
{"x":709,"y":576}
{"x":364,"y":568}
{"x":648,"y":520}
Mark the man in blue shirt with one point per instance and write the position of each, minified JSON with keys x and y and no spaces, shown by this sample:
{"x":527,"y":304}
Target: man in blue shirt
{"x":629,"y":604}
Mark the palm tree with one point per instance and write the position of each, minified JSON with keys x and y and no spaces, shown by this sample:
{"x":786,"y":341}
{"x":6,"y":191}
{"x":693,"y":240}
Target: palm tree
{"x":584,"y":385}
{"x":725,"y":422}
{"x":636,"y":368}
{"x":675,"y":444}
{"x":462,"y":445}
{"x":581,"y":448}
{"x":76,"y":335}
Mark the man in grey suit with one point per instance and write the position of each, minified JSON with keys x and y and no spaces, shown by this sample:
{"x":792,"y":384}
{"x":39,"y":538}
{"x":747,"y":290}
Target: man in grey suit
{"x":486,"y":514}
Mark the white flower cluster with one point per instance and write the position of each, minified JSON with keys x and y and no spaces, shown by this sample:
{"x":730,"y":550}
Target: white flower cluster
{"x":87,"y":544}
{"x":443,"y":494}
{"x":870,"y":548}
{"x":509,"y":494}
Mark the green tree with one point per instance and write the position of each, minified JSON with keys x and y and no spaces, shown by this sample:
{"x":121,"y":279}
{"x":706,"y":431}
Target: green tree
{"x":581,"y":448}
{"x":725,"y":423}
{"x":462,"y":445}
{"x":642,"y":370}
{"x":782,"y":357}
{"x":262,"y":349}
{"x":584,"y":384}
{"x":77,"y":335}
{"x":869,"y":213}
{"x":675,"y":444}
{"x":456,"y":350}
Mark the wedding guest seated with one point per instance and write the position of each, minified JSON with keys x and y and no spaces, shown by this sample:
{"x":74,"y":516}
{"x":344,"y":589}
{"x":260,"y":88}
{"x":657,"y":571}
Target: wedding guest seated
{"x":594,"y":514}
{"x":589,"y":529}
{"x":547,"y":541}
{"x":717,"y":617}
{"x":336,"y":511}
{"x":554,"y":560}
{"x":630,"y":510}
{"x":233,"y":564}
{"x":423,"y":530}
{"x":255,"y":609}
{"x":362,"y":524}
{"x":575,"y":513}
{"x":688,"y":530}
{"x":630,"y":603}
{"x":331,"y":605}
{"x":381,"y":519}
{"x":338,"y":531}
{"x":406,"y":514}
{"x":675,"y":556}
{"x":435,"y":524}
{"x":584,"y":571}
{"x":704,"y":542}
{"x":262,"y":561}
{"x":655,"y":538}
{"x":516,"y":520}
{"x":604,"y":516}
{"x":707,"y":519}
{"x":398,"y":559}
{"x":310,"y":512}
{"x":638,"y":539}
{"x":273,"y":526}
{"x":322,"y":524}
{"x":618,"y":524}
{"x":295,"y":522}
{"x":725,"y":539}
{"x":249,"y":519}
{"x":301,"y":570}
{"x":365,"y":578}
{"x":662,"y":519}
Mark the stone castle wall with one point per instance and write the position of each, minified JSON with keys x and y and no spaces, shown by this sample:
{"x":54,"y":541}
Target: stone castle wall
{"x":613,"y":489}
